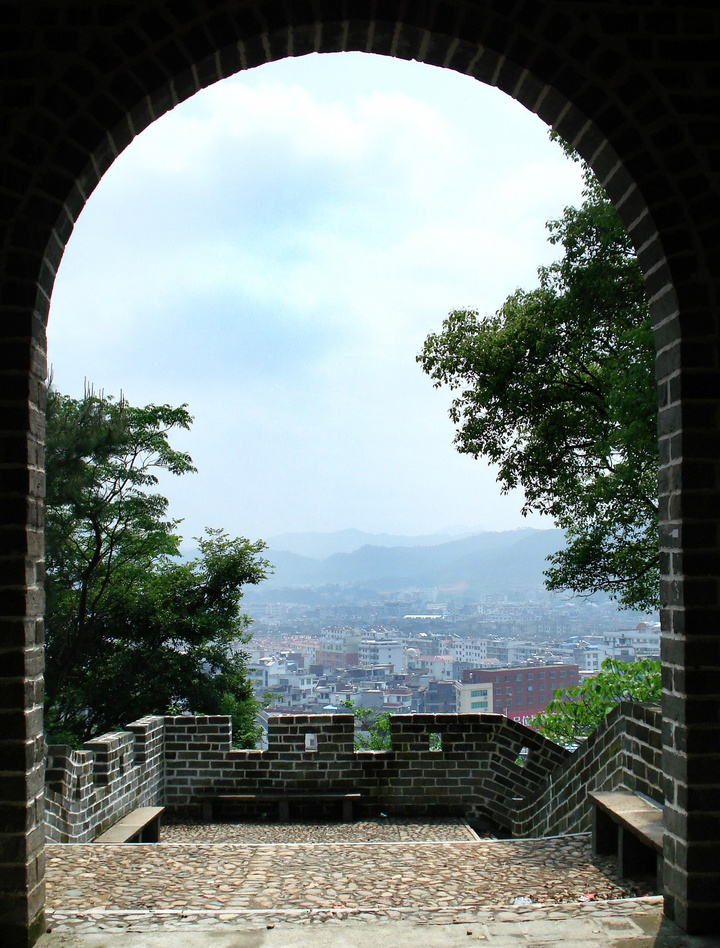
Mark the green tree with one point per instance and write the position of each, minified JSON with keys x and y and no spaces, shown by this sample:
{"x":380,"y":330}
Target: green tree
{"x":377,"y":725}
{"x":129,"y":629}
{"x":576,"y":712}
{"x":558,"y":390}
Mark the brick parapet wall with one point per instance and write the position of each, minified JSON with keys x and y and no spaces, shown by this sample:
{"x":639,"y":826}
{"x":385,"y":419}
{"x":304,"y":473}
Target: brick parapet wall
{"x":476,"y":772}
{"x":643,"y":750}
{"x":486,"y":766}
{"x":625,"y":752}
{"x":199,"y":758}
{"x":88,"y":790}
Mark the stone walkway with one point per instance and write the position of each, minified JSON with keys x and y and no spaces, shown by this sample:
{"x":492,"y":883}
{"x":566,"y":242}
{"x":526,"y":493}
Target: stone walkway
{"x":431,"y":872}
{"x":384,"y":830}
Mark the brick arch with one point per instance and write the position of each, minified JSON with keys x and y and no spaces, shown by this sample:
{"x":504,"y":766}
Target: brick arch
{"x":632,"y":86}
{"x":558,"y":81}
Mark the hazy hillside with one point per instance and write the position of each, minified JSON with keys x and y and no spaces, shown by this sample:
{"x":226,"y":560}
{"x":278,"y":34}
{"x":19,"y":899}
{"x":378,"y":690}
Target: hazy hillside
{"x":319,"y":546}
{"x":480,"y":563}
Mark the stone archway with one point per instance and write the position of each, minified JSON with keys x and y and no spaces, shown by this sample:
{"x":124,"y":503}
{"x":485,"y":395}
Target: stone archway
{"x":630,"y":86}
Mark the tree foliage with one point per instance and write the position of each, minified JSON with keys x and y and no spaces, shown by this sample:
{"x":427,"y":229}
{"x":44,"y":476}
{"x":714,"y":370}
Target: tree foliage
{"x":130,"y":630}
{"x":558,"y":390}
{"x":576,"y":712}
{"x":372,"y":728}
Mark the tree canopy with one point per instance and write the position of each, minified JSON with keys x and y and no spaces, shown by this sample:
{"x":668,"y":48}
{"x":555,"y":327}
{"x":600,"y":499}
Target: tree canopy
{"x":558,"y":390}
{"x":130,"y":629}
{"x":576,"y":712}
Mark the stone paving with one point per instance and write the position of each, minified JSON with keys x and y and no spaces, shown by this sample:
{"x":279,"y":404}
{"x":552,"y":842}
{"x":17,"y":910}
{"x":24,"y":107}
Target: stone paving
{"x":430,"y":872}
{"x":383,"y":830}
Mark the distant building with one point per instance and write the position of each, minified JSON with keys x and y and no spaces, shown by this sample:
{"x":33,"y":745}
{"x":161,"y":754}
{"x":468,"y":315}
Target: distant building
{"x":372,"y":698}
{"x":381,"y":652}
{"x":512,"y":651}
{"x":641,"y":642}
{"x":338,"y":651}
{"x":438,"y":698}
{"x":473,"y":697}
{"x":291,"y":691}
{"x":436,"y":666}
{"x":474,"y":651}
{"x":521,"y":692}
{"x":397,"y":700}
{"x":271,"y":613}
{"x":587,"y":657}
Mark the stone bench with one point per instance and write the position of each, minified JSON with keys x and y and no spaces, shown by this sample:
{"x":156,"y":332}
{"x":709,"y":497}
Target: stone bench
{"x":631,"y":827}
{"x":140,"y":826}
{"x":281,"y":798}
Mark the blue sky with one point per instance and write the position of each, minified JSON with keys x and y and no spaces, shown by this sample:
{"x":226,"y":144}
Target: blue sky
{"x":274,"y":251}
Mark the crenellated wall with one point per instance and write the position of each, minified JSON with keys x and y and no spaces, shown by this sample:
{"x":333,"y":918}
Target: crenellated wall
{"x":625,"y":752}
{"x":88,"y":790}
{"x":486,"y":766}
{"x":475,"y":771}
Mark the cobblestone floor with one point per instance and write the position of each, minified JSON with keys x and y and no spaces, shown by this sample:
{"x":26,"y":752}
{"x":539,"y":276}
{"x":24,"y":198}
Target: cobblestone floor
{"x":437,"y":872}
{"x":385,"y":830}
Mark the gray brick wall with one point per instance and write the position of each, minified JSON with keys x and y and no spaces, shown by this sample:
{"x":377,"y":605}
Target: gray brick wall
{"x":624,"y":752}
{"x":88,"y":790}
{"x":476,"y":772}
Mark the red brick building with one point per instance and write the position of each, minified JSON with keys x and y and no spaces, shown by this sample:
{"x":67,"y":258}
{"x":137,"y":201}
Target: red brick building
{"x":519,"y":693}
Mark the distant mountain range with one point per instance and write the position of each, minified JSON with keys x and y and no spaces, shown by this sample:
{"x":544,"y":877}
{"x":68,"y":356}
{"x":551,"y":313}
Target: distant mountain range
{"x":475,"y":564}
{"x":319,"y":546}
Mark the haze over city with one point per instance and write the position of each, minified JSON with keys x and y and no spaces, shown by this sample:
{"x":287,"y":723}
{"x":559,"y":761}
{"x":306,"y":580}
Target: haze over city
{"x":274,"y":251}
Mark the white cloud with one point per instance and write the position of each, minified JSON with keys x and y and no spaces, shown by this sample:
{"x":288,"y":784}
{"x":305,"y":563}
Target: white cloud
{"x":274,"y":252}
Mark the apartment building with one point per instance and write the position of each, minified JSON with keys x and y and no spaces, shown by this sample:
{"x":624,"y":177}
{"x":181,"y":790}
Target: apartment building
{"x":522,"y":691}
{"x":473,"y":697}
{"x":381,"y":652}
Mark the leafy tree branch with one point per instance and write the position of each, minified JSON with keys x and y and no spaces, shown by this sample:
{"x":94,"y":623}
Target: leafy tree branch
{"x":558,"y":390}
{"x":130,"y":630}
{"x":576,"y":712}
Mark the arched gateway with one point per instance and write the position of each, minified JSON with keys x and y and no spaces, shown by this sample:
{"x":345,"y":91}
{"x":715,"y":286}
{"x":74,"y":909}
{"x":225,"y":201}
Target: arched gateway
{"x":633,"y":85}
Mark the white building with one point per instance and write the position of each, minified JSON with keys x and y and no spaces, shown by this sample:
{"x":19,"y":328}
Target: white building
{"x":291,"y":688}
{"x":381,"y":652}
{"x":473,"y":698}
{"x":473,"y":651}
{"x":587,"y":657}
{"x":439,"y":667}
{"x":397,"y":700}
{"x":641,"y":642}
